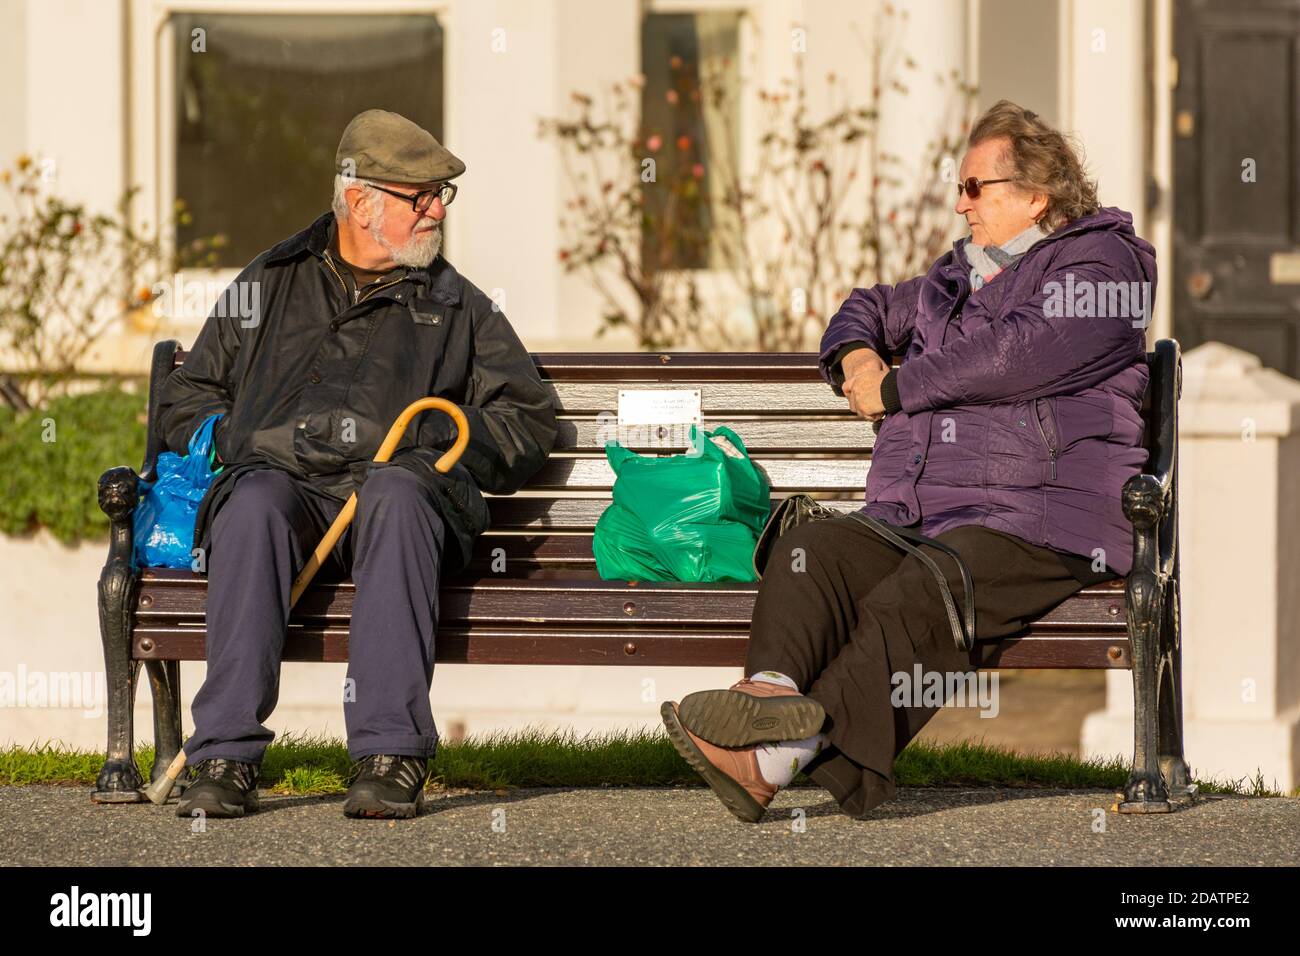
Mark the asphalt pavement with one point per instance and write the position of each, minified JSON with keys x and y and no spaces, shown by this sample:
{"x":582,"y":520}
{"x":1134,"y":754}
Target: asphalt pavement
{"x":51,"y":825}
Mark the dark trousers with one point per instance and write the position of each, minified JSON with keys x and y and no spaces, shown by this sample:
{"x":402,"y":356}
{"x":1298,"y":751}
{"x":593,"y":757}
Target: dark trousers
{"x":840,"y":611}
{"x":261,"y":538}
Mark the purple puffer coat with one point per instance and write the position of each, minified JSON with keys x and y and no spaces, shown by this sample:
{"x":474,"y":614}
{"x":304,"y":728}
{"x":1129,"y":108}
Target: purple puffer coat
{"x":1020,"y":403}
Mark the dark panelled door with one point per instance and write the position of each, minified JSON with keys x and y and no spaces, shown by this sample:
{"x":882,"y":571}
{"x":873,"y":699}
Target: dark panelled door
{"x":1237,"y":177}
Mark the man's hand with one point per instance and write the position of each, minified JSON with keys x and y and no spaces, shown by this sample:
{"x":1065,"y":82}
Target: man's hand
{"x":218,"y":461}
{"x":863,"y":372}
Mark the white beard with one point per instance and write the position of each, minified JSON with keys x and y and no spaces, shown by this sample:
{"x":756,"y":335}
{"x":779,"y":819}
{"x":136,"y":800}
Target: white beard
{"x":418,"y":251}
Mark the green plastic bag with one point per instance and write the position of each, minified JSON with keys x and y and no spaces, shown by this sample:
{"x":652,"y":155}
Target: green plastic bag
{"x":688,"y":517}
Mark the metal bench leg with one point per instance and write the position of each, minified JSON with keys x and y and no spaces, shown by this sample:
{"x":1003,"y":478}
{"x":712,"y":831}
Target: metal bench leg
{"x":165,"y":682}
{"x":119,"y":781}
{"x":1178,"y":776}
{"x":1145,"y":791}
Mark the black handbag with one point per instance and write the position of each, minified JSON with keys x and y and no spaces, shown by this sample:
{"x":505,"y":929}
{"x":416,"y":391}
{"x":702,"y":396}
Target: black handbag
{"x":801,"y":509}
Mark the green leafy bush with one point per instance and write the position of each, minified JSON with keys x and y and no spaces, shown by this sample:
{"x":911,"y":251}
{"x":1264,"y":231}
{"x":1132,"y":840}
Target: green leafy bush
{"x":51,"y":459}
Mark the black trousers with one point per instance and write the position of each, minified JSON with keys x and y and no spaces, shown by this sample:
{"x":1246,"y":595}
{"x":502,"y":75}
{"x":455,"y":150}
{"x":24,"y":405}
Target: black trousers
{"x":840,"y":611}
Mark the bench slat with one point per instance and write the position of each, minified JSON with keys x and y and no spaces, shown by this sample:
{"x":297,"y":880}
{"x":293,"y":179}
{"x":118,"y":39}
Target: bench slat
{"x":498,"y":600}
{"x":716,"y":398}
{"x":663,"y":366}
{"x":662,"y":647}
{"x":678,"y":366}
{"x":759,"y":435}
{"x":581,"y":514}
{"x":784,"y":474}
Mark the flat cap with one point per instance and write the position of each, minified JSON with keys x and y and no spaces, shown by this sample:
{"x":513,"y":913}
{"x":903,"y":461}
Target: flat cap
{"x":387,"y":146}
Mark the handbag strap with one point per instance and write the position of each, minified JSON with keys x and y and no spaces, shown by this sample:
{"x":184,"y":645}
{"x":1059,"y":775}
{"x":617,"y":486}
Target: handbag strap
{"x":907,"y":539}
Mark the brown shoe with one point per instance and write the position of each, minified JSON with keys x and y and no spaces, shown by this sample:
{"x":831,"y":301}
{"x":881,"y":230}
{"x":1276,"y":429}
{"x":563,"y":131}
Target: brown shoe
{"x":731,"y":774}
{"x":751,"y":712}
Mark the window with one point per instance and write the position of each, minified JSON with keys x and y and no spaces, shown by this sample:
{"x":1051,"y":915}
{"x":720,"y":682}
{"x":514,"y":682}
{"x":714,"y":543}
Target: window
{"x":260,"y":103}
{"x":689,"y":109}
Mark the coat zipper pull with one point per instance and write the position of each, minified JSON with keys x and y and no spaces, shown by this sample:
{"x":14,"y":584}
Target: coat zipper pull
{"x":1051,"y":449}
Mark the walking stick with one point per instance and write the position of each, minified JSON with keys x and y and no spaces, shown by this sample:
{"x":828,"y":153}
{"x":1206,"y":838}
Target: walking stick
{"x":159,"y":791}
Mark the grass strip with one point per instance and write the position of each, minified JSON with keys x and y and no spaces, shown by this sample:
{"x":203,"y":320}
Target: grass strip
{"x":305,"y":764}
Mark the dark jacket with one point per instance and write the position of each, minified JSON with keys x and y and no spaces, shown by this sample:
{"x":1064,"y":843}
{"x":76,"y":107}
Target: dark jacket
{"x":1015,"y":416}
{"x":313,"y":383}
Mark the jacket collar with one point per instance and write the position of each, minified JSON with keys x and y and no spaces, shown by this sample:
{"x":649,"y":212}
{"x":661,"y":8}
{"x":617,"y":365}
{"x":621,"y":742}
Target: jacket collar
{"x":439,"y":279}
{"x":1107,"y":218}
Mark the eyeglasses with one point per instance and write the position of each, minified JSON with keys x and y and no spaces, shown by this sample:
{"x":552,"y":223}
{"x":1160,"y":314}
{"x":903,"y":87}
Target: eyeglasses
{"x":973,"y":186}
{"x":421,"y":201}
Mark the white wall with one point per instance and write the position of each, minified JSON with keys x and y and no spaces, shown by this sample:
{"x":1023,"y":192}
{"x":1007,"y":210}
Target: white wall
{"x":73,"y":95}
{"x":50,"y":626}
{"x":1102,"y":91}
{"x":13,"y":80}
{"x":501,"y":78}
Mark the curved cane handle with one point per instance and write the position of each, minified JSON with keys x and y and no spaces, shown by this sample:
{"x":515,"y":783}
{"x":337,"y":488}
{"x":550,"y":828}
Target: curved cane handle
{"x":443,"y":465}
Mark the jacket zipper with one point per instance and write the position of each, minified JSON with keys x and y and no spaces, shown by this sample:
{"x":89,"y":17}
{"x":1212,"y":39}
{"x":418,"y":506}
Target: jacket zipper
{"x":357,"y":300}
{"x":330,"y":263}
{"x":378,"y":287}
{"x":1051,"y":449}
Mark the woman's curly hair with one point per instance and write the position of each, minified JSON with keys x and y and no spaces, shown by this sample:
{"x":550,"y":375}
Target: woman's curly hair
{"x":1042,"y":160}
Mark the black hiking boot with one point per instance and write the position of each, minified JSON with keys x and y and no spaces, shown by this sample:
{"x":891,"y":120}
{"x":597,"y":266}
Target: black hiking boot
{"x":221,"y":788}
{"x":387,"y":786}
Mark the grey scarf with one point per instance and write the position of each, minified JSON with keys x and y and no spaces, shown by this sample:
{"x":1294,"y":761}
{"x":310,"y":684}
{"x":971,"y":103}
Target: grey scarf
{"x":988,"y":261}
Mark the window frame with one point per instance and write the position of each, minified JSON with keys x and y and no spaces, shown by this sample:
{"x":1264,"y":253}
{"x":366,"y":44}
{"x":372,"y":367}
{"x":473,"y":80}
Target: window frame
{"x":151,"y":141}
{"x":712,"y":282}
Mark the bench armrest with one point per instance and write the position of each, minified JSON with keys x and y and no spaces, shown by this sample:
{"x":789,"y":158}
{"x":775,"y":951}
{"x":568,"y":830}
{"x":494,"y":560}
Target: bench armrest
{"x":119,"y":492}
{"x":1148,"y":499}
{"x":119,"y":488}
{"x":164,"y":363}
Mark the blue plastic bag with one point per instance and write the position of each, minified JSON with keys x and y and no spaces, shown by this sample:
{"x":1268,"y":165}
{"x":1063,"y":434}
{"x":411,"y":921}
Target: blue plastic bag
{"x":164,"y":518}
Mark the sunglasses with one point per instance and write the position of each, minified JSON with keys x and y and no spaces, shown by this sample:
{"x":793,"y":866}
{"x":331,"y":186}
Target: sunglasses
{"x":421,"y":201}
{"x":973,"y":186}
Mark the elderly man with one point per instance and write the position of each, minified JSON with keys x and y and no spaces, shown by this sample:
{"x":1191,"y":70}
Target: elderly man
{"x":360,"y":316}
{"x":1008,"y":430}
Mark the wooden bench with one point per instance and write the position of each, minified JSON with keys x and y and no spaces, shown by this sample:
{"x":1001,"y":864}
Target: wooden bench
{"x":549,"y":606}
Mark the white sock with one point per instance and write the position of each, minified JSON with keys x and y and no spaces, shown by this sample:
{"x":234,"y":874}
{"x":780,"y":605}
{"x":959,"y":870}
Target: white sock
{"x":775,"y":677}
{"x":781,"y":761}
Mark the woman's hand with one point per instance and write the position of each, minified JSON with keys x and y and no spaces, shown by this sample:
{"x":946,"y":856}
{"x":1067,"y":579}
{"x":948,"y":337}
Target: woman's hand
{"x":864,"y":370}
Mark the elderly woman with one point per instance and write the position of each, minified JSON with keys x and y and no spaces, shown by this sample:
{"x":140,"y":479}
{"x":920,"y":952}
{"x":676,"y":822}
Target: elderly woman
{"x":1008,"y":430}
